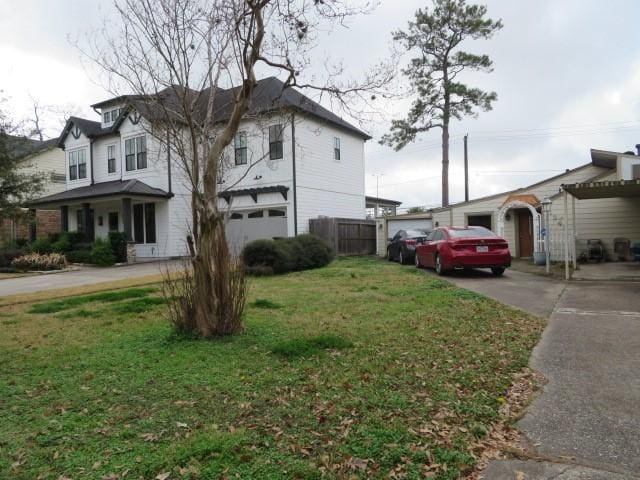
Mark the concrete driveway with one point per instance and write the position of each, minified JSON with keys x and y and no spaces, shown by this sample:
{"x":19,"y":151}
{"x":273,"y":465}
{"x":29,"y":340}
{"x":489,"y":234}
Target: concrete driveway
{"x":586,"y":421}
{"x":83,"y":276}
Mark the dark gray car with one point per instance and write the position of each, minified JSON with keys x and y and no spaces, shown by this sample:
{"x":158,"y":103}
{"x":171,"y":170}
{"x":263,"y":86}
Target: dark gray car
{"x":402,"y":246}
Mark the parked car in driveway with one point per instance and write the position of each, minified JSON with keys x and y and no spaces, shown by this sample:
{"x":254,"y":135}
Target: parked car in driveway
{"x":402,"y":245}
{"x":448,"y":248}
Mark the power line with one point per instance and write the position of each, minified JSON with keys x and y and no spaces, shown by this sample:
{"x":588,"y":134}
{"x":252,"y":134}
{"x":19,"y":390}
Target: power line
{"x":520,"y":134}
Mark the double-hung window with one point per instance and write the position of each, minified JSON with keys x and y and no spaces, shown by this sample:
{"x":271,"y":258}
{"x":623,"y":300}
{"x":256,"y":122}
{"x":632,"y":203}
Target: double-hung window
{"x":275,"y":142}
{"x":144,"y":222}
{"x":77,"y":165}
{"x":336,"y":148}
{"x":110,"y":116}
{"x":240,"y":144}
{"x":135,"y":153}
{"x":111,"y":159}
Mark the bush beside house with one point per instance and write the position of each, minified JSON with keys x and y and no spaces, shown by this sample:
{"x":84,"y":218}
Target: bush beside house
{"x":304,"y":252}
{"x":71,"y":245}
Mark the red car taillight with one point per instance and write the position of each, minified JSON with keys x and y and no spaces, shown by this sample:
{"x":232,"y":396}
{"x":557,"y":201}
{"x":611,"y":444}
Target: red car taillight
{"x":410,"y":241}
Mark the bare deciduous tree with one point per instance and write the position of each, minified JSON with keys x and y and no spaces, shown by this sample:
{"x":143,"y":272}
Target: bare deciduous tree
{"x":178,"y":59}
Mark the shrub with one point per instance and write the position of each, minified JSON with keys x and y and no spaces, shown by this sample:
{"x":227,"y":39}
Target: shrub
{"x":262,"y":257}
{"x":75,"y":238}
{"x":41,"y":245}
{"x":266,"y":254}
{"x":62,"y":244}
{"x":7,"y":256}
{"x":118,"y":241}
{"x":36,"y":261}
{"x":101,"y":253}
{"x":79,"y":256}
{"x":316,"y":253}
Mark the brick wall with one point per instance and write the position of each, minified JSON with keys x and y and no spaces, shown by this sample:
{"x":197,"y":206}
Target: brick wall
{"x":47,"y":221}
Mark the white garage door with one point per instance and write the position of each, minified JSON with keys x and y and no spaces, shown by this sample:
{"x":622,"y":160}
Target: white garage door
{"x":408,"y":224}
{"x":245,"y":226}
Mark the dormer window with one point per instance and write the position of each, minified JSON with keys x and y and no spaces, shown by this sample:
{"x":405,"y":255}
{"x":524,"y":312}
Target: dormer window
{"x":110,"y":116}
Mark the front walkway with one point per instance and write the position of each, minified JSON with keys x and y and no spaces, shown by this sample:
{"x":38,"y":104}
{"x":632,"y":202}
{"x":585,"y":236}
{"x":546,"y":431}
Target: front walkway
{"x":586,"y":421}
{"x":82,"y":277}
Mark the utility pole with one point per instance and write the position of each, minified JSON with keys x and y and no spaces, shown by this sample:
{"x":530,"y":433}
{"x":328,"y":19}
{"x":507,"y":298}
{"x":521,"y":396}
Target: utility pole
{"x":466,"y":169}
{"x":378,"y":176}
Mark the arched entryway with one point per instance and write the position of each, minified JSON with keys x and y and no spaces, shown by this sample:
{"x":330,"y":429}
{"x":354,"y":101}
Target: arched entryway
{"x":528,"y":226}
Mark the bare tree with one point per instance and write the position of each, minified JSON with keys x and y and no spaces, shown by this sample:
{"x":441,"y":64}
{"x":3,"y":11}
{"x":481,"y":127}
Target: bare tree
{"x":177,"y":59}
{"x":47,"y":119}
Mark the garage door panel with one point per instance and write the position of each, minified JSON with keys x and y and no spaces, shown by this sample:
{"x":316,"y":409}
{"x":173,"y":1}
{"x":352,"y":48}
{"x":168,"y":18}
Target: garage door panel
{"x":408,"y":224}
{"x":250,"y":226}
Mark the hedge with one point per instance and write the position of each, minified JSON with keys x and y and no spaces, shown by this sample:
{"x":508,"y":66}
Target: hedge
{"x":262,"y":257}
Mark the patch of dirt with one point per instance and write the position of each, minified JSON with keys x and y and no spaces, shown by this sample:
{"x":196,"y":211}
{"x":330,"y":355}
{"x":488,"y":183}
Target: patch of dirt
{"x":504,"y":440}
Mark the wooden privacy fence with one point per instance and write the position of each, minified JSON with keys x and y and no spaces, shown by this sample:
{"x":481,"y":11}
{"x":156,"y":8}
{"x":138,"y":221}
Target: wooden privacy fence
{"x":347,"y":236}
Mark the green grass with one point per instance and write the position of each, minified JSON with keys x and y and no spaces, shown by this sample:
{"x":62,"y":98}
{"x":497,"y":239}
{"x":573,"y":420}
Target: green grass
{"x":299,"y":347}
{"x":264,"y":303}
{"x":366,"y":368}
{"x":103,"y":297}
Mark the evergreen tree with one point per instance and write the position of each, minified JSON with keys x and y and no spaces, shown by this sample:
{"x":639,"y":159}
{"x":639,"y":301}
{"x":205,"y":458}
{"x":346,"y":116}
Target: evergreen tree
{"x":435,"y":35}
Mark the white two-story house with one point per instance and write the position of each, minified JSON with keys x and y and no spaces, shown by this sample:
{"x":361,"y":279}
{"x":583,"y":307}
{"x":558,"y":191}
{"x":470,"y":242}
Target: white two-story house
{"x":292,"y":160}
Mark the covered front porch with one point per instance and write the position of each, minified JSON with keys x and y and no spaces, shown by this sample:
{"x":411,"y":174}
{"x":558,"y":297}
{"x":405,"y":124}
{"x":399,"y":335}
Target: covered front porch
{"x":132,"y":207}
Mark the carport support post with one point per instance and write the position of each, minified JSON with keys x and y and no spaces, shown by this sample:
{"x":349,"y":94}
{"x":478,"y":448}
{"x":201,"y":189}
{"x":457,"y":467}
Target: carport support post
{"x":566,"y":236}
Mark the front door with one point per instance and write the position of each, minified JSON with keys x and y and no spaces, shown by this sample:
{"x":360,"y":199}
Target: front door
{"x":525,"y":233}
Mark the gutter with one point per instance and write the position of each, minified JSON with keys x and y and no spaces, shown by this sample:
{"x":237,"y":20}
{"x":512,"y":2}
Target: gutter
{"x":169,"y":164}
{"x":295,"y":191}
{"x":91,"y":159}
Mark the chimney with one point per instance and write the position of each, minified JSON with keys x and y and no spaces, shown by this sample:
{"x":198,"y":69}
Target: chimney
{"x":638,"y":148}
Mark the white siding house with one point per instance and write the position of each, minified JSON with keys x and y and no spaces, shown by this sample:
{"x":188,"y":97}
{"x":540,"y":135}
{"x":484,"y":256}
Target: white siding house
{"x":291,"y":161}
{"x":516,"y":214}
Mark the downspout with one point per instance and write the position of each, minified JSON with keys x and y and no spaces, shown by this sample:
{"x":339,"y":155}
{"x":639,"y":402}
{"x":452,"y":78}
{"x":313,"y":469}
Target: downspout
{"x":169,"y":164}
{"x":91,"y":158}
{"x":295,"y":193}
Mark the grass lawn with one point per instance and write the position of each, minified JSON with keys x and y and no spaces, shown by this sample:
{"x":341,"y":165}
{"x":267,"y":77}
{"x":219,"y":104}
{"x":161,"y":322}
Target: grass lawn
{"x":363,"y":369}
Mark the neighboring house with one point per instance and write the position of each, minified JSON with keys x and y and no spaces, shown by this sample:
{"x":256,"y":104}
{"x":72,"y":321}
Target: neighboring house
{"x":291,"y":161}
{"x":516,"y":214}
{"x":46,"y":159}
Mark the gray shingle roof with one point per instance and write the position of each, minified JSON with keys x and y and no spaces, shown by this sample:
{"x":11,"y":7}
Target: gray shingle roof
{"x":20,"y":147}
{"x":134,"y":188}
{"x":269,"y":95}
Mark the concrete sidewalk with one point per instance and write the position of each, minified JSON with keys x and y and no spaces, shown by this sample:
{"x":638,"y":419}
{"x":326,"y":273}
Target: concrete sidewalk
{"x":586,"y":421}
{"x":84,"y":276}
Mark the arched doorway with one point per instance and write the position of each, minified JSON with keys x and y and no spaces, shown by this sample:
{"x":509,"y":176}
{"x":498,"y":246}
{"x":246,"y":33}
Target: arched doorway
{"x":536,"y":237}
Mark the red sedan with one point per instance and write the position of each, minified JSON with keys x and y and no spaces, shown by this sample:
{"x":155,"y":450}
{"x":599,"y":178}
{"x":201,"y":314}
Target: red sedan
{"x":448,"y":248}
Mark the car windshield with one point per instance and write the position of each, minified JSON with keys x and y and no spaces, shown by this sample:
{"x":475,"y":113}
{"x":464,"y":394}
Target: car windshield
{"x":416,"y":233}
{"x":470,"y":233}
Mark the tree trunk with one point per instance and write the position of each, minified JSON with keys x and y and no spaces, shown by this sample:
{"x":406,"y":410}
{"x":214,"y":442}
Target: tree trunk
{"x":445,"y":164}
{"x":446,"y":113}
{"x":218,"y":279}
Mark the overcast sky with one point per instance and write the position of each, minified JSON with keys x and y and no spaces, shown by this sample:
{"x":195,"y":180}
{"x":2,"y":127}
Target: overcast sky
{"x":567,"y":74}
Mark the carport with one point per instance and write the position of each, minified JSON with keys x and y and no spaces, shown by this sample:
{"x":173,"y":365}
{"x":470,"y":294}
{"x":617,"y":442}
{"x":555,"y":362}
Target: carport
{"x":591,"y":191}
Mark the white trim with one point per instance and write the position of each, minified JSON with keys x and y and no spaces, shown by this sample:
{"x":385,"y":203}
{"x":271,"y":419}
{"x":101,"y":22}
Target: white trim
{"x":537,"y":234}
